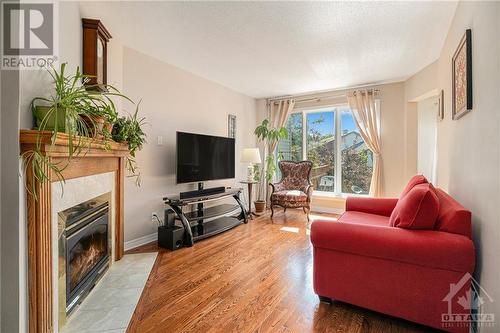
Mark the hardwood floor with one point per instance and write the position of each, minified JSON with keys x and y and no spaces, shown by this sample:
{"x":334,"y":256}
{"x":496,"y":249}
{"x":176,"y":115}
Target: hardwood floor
{"x":254,"y":278}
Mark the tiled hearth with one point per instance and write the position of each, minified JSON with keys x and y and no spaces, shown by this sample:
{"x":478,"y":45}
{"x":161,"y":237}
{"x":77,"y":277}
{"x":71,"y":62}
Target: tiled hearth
{"x":110,"y":305}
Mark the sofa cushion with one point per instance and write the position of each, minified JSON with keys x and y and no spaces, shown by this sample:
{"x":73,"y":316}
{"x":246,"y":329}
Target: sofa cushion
{"x":415,"y":180}
{"x":364,"y":218}
{"x":418,"y":209}
{"x":452,"y":217}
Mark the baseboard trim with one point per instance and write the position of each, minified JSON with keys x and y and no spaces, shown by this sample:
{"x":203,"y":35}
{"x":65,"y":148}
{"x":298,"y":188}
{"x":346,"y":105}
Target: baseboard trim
{"x":330,"y":210}
{"x":132,"y":244}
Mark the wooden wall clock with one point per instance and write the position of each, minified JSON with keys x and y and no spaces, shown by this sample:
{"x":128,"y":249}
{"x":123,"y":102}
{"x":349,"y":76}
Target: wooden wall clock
{"x":95,"y":40}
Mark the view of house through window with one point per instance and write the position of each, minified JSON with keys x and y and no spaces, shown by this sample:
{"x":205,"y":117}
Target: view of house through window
{"x":312,"y":135}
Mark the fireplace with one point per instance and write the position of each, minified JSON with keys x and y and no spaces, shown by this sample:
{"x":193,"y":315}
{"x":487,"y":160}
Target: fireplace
{"x":84,"y":248}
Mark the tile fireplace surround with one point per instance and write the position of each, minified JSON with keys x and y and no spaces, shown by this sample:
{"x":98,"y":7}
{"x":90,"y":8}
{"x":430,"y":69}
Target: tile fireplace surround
{"x":96,"y":172}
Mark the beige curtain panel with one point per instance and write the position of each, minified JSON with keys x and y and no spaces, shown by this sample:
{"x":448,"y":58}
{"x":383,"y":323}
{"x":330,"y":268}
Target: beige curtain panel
{"x":362,"y":104}
{"x":279,"y":112}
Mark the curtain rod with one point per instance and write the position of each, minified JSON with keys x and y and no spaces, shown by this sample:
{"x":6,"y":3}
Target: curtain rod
{"x":309,"y":99}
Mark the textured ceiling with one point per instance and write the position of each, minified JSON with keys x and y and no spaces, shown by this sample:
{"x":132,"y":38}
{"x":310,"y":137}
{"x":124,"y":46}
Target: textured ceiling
{"x":266,"y":49}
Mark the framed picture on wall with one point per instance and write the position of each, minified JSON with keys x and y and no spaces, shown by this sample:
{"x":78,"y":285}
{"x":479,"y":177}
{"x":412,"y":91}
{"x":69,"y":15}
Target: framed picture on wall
{"x":462,"y":77}
{"x":440,"y":115}
{"x":231,"y":126}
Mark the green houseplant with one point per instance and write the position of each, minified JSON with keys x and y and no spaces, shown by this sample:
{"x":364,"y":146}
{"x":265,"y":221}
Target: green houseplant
{"x":270,"y":136}
{"x":75,"y":109}
{"x":129,"y":130}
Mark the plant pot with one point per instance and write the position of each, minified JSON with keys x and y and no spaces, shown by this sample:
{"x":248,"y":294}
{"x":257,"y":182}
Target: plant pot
{"x":107,"y":127}
{"x":260,"y":206}
{"x":96,"y":125}
{"x":47,"y":114}
{"x":99,"y":123}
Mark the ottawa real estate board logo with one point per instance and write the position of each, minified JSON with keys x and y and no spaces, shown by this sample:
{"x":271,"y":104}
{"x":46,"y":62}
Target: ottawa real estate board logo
{"x":466,"y":299}
{"x":28,"y":35}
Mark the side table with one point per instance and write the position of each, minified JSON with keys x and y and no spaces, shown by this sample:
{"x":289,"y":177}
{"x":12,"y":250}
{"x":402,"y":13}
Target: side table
{"x":250,"y":187}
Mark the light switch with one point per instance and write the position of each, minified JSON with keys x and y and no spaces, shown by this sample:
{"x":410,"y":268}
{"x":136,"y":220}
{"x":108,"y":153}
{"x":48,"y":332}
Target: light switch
{"x":159,"y":140}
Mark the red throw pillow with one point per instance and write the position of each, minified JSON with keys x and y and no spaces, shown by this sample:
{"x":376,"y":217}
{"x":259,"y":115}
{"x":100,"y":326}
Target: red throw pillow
{"x":415,"y":180}
{"x":418,"y":209}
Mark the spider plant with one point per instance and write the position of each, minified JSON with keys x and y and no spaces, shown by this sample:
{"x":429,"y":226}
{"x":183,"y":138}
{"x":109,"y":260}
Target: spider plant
{"x":73,"y":108}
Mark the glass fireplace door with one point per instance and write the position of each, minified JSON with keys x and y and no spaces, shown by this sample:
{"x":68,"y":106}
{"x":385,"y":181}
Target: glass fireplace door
{"x":86,"y":252}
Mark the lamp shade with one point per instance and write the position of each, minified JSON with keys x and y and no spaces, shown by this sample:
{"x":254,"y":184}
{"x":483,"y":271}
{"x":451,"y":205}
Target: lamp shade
{"x":250,"y":155}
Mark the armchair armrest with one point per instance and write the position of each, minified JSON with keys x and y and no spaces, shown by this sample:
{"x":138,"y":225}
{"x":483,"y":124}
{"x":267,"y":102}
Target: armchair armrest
{"x":308,"y":190}
{"x":277,"y":187}
{"x":377,"y":206}
{"x":273,"y":187}
{"x":426,"y":248}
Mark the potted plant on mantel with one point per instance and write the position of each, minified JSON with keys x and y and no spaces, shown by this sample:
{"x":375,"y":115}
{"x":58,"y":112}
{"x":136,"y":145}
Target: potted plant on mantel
{"x":128,"y":129}
{"x":86,"y":113}
{"x":270,"y":136}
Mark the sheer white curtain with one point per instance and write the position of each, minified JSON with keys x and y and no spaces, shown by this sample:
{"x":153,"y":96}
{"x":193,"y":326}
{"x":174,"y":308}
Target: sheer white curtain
{"x":364,"y":109}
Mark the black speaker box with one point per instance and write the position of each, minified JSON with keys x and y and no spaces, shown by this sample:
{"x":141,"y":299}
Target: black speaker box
{"x":171,"y":238}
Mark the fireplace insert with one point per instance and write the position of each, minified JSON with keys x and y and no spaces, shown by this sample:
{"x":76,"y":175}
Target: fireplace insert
{"x":87,"y":248}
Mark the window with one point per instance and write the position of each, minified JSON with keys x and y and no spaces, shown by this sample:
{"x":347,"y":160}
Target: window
{"x":320,"y":140}
{"x":357,"y":159}
{"x":291,"y":147}
{"x":312,"y":135}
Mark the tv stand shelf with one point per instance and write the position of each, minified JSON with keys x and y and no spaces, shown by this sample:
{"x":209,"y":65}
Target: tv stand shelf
{"x":214,"y":227}
{"x":195,"y":225}
{"x":210,"y":212}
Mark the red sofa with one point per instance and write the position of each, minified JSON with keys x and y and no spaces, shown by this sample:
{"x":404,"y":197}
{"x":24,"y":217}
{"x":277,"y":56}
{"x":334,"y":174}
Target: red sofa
{"x":362,"y":260}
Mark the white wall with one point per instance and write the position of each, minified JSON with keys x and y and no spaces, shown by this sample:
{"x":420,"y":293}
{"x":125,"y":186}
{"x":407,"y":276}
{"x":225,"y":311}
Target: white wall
{"x":427,"y":134}
{"x":175,"y":100}
{"x":469,"y":148}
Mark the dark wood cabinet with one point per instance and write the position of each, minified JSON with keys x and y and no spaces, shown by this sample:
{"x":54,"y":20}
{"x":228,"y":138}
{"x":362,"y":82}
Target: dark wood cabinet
{"x":95,"y":51}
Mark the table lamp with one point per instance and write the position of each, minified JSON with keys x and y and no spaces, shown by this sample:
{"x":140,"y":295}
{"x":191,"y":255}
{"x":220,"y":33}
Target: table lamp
{"x":251,"y":156}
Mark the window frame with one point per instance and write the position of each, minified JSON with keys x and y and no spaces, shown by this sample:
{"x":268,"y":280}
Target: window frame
{"x":337,"y":109}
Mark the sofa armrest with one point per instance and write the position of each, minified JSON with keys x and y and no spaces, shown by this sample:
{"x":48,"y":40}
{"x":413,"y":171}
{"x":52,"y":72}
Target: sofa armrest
{"x":377,"y":206}
{"x":427,"y":248}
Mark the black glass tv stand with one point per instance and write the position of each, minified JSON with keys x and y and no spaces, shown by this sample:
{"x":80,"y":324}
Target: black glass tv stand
{"x":205,"y":222}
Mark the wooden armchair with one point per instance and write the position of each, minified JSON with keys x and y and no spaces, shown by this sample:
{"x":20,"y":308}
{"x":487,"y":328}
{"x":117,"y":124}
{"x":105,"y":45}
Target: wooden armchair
{"x":295,"y":188}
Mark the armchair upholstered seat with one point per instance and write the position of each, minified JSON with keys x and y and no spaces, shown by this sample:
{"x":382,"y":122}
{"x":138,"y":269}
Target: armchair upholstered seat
{"x":295,"y":188}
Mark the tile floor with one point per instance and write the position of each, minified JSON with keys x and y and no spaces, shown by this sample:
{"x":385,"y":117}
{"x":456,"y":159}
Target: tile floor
{"x":110,"y":305}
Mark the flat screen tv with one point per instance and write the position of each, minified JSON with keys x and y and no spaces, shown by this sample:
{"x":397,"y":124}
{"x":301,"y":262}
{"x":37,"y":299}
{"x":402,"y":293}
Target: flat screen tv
{"x":204,"y":157}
